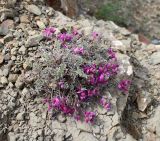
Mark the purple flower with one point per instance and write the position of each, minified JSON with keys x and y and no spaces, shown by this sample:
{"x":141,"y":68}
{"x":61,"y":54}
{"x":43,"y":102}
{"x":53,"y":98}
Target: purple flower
{"x":61,"y":84}
{"x":82,"y":93}
{"x":78,"y":50}
{"x":48,"y":32}
{"x":77,"y":117}
{"x":124,"y":85}
{"x":92,"y":80}
{"x":56,"y":102}
{"x":107,"y":106}
{"x":102,"y":101}
{"x":93,"y":92}
{"x":101,"y":69}
{"x":111,"y":53}
{"x":89,"y":116}
{"x":65,"y":37}
{"x":67,"y":110}
{"x":102,"y":78}
{"x":112,"y":69}
{"x":75,"y":31}
{"x":64,"y":45}
{"x":49,"y":106}
{"x":95,"y":35}
{"x":90,"y":69}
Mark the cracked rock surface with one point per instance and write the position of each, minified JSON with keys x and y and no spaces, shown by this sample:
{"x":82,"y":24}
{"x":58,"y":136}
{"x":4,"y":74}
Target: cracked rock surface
{"x":23,"y":116}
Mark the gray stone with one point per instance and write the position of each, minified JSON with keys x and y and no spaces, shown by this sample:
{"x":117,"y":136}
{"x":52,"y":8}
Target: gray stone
{"x":61,"y":118}
{"x":56,"y":125}
{"x":33,"y":40}
{"x":13,"y":58}
{"x":7,"y":57}
{"x":6,"y":26}
{"x":33,"y":119}
{"x":27,"y":64}
{"x":24,"y":19}
{"x":20,"y":82}
{"x":34,"y":9}
{"x":155,"y":58}
{"x":6,"y":13}
{"x":22,"y":50}
{"x":125,"y":32}
{"x":20,"y":116}
{"x":8,"y":38}
{"x":1,"y":58}
{"x":1,"y":72}
{"x":6,"y":71}
{"x":11,"y":136}
{"x":12,"y":77}
{"x":84,"y":136}
{"x":25,"y":91}
{"x":4,"y":80}
{"x":14,"y":51}
{"x":40,"y":132}
{"x":143,"y":100}
{"x":84,"y":127}
{"x":41,"y":25}
{"x":153,"y":123}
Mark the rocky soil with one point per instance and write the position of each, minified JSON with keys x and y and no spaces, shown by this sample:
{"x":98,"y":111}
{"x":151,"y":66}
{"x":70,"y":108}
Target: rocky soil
{"x":24,"y":117}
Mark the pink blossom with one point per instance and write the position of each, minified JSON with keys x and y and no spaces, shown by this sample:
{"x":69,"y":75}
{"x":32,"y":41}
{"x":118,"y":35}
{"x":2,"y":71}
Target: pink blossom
{"x":95,"y":35}
{"x":102,"y":78}
{"x":48,"y":32}
{"x":124,"y":85}
{"x":56,"y":102}
{"x":49,"y":107}
{"x":82,"y":93}
{"x":75,"y":31}
{"x":89,"y":116}
{"x":102,"y":101}
{"x":90,"y":69}
{"x":77,"y":117}
{"x":92,"y":80}
{"x":65,"y":37}
{"x":112,"y":69}
{"x":101,"y":69}
{"x":78,"y":50}
{"x":61,"y":84}
{"x":107,"y":106}
{"x":93,"y":92}
{"x":111,"y":53}
{"x":64,"y":45}
{"x":67,"y":110}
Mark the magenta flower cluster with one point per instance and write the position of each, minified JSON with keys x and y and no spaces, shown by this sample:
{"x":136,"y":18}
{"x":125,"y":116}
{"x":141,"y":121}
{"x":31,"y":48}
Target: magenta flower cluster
{"x":84,"y":94}
{"x":48,"y":32}
{"x":89,"y":116}
{"x":100,"y":74}
{"x":105,"y":104}
{"x":78,"y":50}
{"x":60,"y":104}
{"x":124,"y":85}
{"x":65,"y":37}
{"x":87,"y":89}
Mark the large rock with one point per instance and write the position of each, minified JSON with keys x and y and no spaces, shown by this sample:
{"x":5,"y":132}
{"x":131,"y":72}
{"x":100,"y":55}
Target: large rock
{"x":11,"y":136}
{"x":33,"y":40}
{"x":155,"y":58}
{"x":1,"y":58}
{"x":6,"y":26}
{"x":34,"y":9}
{"x":84,"y":136}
